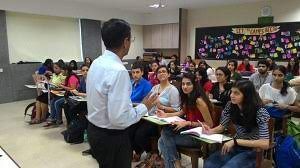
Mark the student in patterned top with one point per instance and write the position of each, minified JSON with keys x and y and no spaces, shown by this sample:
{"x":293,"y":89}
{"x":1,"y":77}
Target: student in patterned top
{"x":251,"y":122}
{"x":196,"y":107}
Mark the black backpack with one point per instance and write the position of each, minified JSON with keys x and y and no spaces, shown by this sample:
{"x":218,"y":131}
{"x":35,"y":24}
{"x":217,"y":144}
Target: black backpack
{"x":75,"y":132}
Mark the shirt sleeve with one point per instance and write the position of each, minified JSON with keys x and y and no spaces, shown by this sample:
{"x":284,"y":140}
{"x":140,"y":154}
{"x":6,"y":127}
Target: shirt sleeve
{"x":292,"y":94}
{"x":120,"y":110}
{"x":225,"y":117}
{"x":262,"y":119}
{"x":262,"y":91}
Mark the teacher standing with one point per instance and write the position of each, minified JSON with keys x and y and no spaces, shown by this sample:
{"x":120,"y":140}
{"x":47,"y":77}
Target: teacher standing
{"x":110,"y":109}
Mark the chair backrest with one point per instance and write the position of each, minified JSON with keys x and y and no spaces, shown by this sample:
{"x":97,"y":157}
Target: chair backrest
{"x":216,"y":114}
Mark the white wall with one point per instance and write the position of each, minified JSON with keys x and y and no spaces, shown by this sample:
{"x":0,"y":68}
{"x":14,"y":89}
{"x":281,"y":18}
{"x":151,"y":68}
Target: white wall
{"x":282,"y":10}
{"x":87,"y":11}
{"x":36,"y":38}
{"x":136,"y":48}
{"x":161,"y":17}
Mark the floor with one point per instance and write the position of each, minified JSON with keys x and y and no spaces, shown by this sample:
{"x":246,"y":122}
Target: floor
{"x":37,"y":147}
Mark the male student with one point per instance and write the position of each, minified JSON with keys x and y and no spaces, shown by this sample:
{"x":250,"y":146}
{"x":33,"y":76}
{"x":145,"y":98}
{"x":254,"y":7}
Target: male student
{"x":140,"y":86}
{"x":262,"y":76}
{"x":110,"y":110}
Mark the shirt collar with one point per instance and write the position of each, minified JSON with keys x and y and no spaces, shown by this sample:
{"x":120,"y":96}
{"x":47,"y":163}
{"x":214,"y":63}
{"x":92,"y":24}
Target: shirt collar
{"x":113,"y":56}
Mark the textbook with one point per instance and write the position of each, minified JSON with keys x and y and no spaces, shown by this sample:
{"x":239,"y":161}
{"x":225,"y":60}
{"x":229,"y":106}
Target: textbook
{"x":168,"y":119}
{"x":198,"y":132}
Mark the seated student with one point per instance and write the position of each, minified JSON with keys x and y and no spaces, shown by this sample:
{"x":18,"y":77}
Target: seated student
{"x":169,"y":101}
{"x":246,"y":68}
{"x":278,"y":93}
{"x":140,"y":86}
{"x":187,"y":62}
{"x":72,"y":110}
{"x":209,"y":70}
{"x":73,"y":65}
{"x":174,"y":70}
{"x":161,"y":60}
{"x":191,"y":67}
{"x":88,"y":61}
{"x":202,"y":79}
{"x":46,"y":68}
{"x":250,"y":119}
{"x":221,"y":90}
{"x":232,"y":65}
{"x":174,"y":58}
{"x":196,"y":107}
{"x":152,"y":76}
{"x":272,"y":63}
{"x":41,"y":104}
{"x":292,"y":68}
{"x":262,"y":76}
{"x":71,"y":83}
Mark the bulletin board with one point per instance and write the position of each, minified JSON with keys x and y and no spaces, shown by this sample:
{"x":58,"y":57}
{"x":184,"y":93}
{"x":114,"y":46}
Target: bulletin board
{"x":279,"y":40}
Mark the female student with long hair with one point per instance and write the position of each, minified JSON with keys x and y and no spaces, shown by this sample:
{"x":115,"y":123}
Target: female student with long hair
{"x":203,"y":80}
{"x":71,"y":83}
{"x":293,"y":67}
{"x":232,"y":66}
{"x":41,"y":104}
{"x":152,"y":76}
{"x":278,"y":93}
{"x":168,"y":100}
{"x":196,"y":107}
{"x":210,"y":72}
{"x":251,"y":121}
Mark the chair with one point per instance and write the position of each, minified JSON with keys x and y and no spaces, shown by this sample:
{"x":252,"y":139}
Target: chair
{"x":196,"y":153}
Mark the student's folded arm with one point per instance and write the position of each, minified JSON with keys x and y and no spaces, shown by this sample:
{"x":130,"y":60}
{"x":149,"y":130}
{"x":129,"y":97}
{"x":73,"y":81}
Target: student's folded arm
{"x":203,"y":108}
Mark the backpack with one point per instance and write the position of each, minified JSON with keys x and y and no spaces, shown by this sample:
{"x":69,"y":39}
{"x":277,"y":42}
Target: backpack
{"x":287,"y":153}
{"x":75,"y":132}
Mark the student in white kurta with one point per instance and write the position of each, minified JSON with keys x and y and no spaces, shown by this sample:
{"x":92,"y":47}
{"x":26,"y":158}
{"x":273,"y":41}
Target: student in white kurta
{"x":278,"y":93}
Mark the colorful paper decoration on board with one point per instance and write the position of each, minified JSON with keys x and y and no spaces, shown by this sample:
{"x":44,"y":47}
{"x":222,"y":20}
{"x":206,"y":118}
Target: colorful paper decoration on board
{"x":252,"y":42}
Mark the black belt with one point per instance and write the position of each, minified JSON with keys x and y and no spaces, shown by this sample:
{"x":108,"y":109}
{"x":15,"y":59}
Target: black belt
{"x":108,"y":131}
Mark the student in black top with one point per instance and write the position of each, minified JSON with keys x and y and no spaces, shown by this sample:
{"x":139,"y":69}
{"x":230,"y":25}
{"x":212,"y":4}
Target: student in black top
{"x":232,"y":66}
{"x":73,"y":65}
{"x":271,"y":63}
{"x":174,"y":70}
{"x":221,"y":90}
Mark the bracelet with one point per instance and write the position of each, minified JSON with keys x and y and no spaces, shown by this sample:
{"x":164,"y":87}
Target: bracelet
{"x":191,"y":125}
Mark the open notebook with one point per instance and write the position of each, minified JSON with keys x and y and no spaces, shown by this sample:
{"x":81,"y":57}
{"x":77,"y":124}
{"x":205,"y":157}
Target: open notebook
{"x":198,"y":132}
{"x":168,"y":119}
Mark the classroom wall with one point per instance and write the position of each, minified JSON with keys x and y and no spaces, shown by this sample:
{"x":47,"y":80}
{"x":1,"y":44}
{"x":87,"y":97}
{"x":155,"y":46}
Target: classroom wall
{"x":37,"y":37}
{"x":283,"y":11}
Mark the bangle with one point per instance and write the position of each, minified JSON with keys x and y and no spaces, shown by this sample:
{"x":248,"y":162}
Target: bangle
{"x":191,"y":124}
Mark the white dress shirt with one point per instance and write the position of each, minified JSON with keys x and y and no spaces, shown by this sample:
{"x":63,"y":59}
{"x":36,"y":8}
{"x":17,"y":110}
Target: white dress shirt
{"x":108,"y":94}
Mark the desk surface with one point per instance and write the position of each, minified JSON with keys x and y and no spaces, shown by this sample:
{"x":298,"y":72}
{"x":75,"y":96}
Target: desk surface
{"x":6,"y":161}
{"x":163,"y":123}
{"x":78,"y":98}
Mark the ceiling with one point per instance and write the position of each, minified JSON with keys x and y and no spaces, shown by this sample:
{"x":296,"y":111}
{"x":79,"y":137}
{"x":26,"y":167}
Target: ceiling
{"x":141,"y":6}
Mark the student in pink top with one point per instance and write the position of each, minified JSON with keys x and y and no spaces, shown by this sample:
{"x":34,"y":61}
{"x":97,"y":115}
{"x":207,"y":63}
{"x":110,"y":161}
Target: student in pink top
{"x":71,"y":83}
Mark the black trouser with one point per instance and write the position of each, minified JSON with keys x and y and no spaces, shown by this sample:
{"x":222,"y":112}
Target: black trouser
{"x":111,"y":148}
{"x":140,"y":135}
